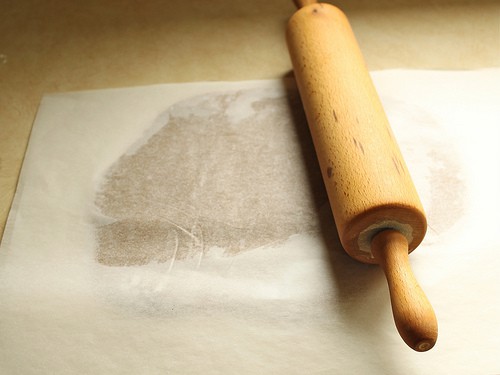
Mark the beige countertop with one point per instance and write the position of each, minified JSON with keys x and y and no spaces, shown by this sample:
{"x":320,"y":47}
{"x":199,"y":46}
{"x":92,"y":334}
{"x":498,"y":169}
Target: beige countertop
{"x":58,"y":46}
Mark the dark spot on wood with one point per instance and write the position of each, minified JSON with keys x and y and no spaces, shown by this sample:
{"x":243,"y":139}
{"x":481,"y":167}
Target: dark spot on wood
{"x":358,"y":145}
{"x":401,"y":165}
{"x":394,"y":161}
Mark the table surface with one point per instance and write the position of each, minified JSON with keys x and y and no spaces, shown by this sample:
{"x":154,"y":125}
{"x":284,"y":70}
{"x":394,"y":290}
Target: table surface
{"x":58,"y":46}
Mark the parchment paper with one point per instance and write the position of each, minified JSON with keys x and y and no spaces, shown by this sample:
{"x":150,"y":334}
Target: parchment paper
{"x":183,"y":229}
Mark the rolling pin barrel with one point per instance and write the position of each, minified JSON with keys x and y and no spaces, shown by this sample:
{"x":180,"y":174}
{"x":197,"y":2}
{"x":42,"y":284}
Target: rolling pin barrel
{"x":367,"y":181}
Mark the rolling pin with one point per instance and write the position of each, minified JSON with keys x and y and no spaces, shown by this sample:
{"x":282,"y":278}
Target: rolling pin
{"x":377,"y":211}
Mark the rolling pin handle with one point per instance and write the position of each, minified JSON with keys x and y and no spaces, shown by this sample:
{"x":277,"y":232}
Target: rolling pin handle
{"x":303,"y":3}
{"x":413,"y":314}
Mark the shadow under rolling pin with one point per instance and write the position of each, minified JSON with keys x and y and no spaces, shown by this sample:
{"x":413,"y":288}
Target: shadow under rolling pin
{"x":377,"y":211}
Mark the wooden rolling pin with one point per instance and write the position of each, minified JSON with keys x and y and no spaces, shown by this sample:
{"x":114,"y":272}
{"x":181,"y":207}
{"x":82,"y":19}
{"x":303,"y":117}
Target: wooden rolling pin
{"x":376,"y":208}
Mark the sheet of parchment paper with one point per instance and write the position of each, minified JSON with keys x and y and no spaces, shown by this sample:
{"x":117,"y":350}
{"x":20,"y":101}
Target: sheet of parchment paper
{"x":184,"y":229}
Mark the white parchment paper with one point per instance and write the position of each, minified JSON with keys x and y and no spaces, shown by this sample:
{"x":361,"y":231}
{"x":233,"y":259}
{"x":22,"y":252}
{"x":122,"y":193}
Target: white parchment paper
{"x":113,"y":262}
